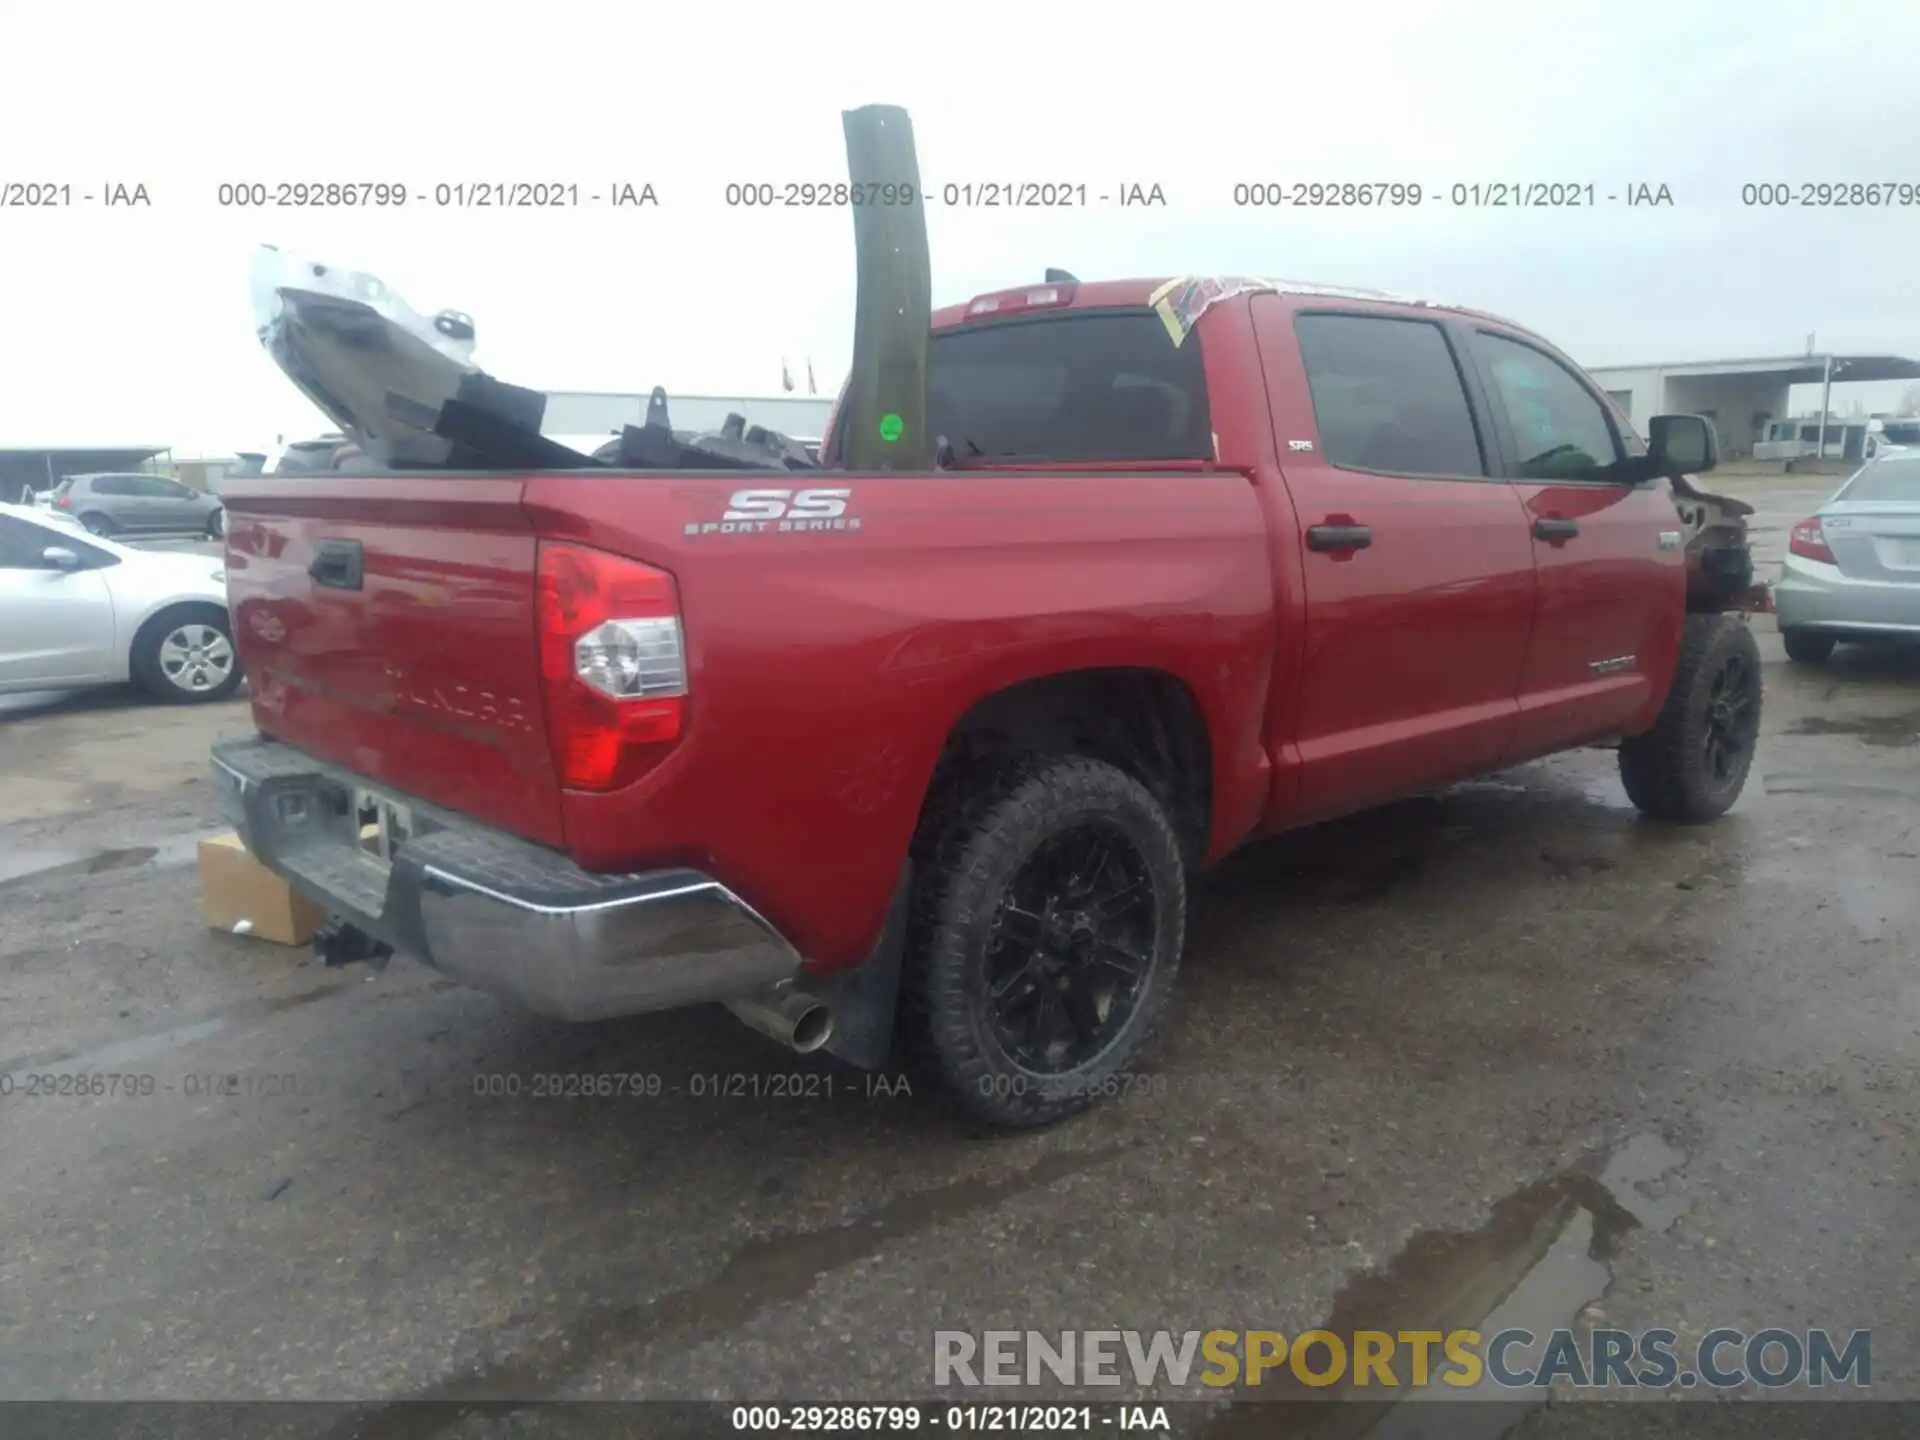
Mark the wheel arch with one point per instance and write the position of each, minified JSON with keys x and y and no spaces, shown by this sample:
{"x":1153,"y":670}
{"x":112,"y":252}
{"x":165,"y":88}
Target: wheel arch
{"x":170,"y":611}
{"x":1146,"y":722}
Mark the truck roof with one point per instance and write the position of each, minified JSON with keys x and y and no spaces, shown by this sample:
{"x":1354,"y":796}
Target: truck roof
{"x":1188,"y":296}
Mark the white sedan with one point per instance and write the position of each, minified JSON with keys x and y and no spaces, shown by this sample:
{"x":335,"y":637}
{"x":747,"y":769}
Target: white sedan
{"x":1852,"y":569}
{"x":77,"y":610}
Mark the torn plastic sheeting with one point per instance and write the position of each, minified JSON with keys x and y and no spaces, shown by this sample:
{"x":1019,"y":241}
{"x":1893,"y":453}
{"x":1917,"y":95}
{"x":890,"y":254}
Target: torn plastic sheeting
{"x":1181,"y":302}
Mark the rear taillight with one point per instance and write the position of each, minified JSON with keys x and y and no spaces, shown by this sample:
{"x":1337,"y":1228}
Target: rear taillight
{"x":1809,"y":541}
{"x":612,"y":665}
{"x":63,"y":501}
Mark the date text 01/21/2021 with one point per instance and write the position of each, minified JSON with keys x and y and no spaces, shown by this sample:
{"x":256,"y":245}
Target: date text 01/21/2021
{"x":756,"y":1085}
{"x":964,"y":195}
{"x":699,"y":1085}
{"x":906,"y":1419}
{"x":1461,"y":195}
{"x":441,"y":195}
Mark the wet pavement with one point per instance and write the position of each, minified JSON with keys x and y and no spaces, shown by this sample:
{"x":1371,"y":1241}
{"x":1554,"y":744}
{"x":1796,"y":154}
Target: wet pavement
{"x":1504,"y":1052}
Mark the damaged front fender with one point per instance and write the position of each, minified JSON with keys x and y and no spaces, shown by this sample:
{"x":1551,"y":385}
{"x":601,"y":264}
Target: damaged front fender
{"x":1719,"y":558}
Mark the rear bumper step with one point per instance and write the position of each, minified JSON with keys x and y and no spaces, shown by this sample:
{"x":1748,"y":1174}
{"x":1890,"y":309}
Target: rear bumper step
{"x":491,"y":910}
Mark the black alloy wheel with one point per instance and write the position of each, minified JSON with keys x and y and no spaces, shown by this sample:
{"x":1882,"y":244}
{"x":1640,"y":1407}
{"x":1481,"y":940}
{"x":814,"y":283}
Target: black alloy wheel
{"x":1692,"y":765}
{"x":1044,"y":941}
{"x":1071,"y":949}
{"x":1733,"y":719}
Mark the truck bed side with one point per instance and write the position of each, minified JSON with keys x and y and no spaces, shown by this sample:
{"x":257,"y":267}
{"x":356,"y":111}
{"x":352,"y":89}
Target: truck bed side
{"x":826,"y":667}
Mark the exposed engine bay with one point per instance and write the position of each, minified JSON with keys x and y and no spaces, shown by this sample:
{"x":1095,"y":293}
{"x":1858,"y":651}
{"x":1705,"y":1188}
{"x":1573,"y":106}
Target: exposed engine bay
{"x":404,"y":389}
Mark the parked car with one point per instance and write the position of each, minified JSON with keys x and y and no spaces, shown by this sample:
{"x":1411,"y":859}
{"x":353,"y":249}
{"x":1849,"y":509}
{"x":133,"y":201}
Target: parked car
{"x":84,"y":611}
{"x":135,"y":504}
{"x":1852,"y":569}
{"x":306,"y":457}
{"x":934,"y":755}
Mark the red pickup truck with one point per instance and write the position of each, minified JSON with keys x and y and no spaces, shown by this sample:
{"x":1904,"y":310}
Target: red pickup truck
{"x":929,"y":758}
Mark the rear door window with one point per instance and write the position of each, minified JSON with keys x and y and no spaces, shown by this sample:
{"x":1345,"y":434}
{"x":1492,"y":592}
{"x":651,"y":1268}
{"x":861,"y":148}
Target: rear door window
{"x":1387,"y":396}
{"x":110,"y":485}
{"x":1098,"y":385}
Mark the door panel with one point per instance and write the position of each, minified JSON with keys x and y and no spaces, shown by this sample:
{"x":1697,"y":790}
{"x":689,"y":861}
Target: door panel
{"x":59,"y":623}
{"x":1611,"y":566}
{"x":122,"y":502}
{"x":176,"y":507}
{"x":1413,"y":645}
{"x":1419,"y":587}
{"x":160,"y":506}
{"x":1610,"y":609}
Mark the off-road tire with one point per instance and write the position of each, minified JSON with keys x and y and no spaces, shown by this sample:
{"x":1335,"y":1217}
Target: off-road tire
{"x":1807,"y":647}
{"x":149,"y":672}
{"x":1666,"y":770}
{"x":987,"y":833}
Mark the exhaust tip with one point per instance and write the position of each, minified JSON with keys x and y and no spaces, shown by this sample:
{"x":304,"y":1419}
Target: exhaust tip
{"x":800,"y":1022}
{"x":812,"y":1029}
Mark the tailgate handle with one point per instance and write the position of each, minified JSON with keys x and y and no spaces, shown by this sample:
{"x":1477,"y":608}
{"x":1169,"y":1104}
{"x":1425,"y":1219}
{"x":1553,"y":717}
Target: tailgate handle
{"x":337,"y":564}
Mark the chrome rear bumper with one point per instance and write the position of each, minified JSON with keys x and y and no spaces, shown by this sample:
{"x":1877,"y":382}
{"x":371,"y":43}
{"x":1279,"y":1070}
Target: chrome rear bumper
{"x":492,"y":910}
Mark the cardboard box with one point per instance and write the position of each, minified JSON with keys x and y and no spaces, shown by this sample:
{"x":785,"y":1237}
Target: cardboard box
{"x":235,"y":888}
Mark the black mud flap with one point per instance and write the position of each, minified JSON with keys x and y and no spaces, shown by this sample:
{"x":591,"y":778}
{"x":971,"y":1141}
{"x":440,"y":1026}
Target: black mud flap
{"x":864,"y":999}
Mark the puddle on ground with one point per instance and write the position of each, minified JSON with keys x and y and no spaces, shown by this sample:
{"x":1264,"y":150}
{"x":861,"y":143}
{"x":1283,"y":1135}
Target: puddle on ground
{"x":1860,"y":785}
{"x":1890,"y":731}
{"x":21,"y":865}
{"x":778,"y":1269}
{"x":1542,"y":1257}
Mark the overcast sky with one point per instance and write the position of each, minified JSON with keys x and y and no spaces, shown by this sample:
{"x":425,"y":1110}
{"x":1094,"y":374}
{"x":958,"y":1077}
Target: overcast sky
{"x":122,"y":326}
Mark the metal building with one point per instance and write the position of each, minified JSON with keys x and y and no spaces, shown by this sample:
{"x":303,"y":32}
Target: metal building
{"x":1742,"y":397}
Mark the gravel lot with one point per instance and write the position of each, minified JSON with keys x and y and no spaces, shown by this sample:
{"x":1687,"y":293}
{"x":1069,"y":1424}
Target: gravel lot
{"x":1403,"y":1039}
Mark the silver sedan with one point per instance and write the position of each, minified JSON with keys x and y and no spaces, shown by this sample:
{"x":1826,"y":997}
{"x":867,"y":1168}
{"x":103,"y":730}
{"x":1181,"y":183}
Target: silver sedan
{"x":1852,"y":571}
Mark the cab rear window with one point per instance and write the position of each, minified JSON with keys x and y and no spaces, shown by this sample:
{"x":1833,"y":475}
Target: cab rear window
{"x":1086,"y":386}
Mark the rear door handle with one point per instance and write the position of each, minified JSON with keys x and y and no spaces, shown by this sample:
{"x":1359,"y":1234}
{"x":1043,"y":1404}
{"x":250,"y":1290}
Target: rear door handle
{"x":1555,"y":529}
{"x":1338,"y":537}
{"x":337,"y":565}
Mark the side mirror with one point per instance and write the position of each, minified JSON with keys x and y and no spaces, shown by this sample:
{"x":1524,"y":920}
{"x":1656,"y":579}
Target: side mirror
{"x":1682,"y":445}
{"x":60,"y":558}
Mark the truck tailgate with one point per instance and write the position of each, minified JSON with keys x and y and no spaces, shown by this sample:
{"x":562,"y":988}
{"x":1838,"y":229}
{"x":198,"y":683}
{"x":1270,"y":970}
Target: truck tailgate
{"x":389,"y":625}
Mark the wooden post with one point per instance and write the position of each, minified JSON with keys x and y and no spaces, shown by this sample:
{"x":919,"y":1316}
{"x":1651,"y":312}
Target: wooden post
{"x":885,"y":424}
